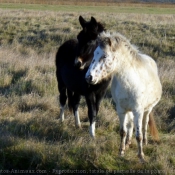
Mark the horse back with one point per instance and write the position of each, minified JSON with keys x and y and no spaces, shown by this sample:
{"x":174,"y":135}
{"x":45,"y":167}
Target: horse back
{"x":66,"y":53}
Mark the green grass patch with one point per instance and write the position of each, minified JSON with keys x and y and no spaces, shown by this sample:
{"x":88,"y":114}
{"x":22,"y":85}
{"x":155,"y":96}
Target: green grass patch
{"x":96,"y":9}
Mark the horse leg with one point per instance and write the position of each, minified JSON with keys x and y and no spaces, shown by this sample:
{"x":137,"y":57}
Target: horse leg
{"x":62,"y":98}
{"x":123,"y":132}
{"x":130,"y":129}
{"x":76,"y":100}
{"x":145,"y":125}
{"x":70,"y":100}
{"x":138,"y":119}
{"x":90,"y":100}
{"x":98,"y":101}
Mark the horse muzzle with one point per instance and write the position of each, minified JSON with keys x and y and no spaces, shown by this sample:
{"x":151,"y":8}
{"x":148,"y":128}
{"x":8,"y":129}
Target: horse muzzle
{"x":79,"y":64}
{"x":89,"y":79}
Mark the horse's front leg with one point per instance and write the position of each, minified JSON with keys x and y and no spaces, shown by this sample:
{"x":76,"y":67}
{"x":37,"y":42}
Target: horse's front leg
{"x":90,"y":100}
{"x":75,"y":110}
{"x":123,"y":132}
{"x":138,"y":119}
{"x":73,"y":103}
{"x":98,"y":100}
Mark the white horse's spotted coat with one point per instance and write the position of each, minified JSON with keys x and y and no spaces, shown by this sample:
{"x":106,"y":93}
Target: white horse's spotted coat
{"x":135,"y":88}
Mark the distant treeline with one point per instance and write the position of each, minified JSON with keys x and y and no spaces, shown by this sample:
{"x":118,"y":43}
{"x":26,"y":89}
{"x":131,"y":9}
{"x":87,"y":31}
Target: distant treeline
{"x":84,"y":1}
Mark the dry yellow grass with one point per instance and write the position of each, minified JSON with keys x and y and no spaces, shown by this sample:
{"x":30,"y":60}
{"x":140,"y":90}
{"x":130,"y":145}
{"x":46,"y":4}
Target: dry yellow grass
{"x":32,"y":138}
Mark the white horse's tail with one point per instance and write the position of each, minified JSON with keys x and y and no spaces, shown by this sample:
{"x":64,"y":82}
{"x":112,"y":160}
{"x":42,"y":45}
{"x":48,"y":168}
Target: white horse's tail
{"x":153,"y":128}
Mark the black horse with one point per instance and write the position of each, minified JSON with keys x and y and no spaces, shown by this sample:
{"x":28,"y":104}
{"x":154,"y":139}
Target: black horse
{"x":71,"y":70}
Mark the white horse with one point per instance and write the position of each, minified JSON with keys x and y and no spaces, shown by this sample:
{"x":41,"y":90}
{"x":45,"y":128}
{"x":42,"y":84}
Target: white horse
{"x":135,"y":88}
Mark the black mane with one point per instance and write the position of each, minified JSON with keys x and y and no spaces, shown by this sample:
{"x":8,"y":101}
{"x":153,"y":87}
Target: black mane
{"x":101,"y":27}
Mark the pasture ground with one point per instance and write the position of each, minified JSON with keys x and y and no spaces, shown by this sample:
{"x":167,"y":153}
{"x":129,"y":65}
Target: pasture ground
{"x":97,"y":7}
{"x":33,"y":139}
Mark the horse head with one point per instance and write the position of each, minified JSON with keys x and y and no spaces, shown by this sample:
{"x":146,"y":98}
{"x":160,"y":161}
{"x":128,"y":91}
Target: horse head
{"x":87,"y":41}
{"x":103,"y":62}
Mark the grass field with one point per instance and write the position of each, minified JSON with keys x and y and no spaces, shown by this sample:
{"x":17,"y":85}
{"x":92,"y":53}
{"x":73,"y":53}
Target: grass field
{"x":32,"y":138}
{"x":128,"y":8}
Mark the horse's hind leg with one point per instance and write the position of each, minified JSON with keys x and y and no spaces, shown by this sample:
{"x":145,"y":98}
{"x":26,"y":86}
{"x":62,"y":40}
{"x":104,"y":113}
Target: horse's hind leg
{"x":74,"y":100}
{"x":138,"y":119}
{"x":62,"y":98}
{"x":99,"y":98}
{"x":130,"y":129}
{"x":123,"y":132}
{"x":145,"y":126}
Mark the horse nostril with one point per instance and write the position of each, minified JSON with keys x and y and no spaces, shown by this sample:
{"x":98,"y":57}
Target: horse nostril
{"x":89,"y":79}
{"x":78,"y":64}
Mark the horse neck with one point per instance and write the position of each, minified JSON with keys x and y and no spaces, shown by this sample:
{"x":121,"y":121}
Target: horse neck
{"x":123,"y":59}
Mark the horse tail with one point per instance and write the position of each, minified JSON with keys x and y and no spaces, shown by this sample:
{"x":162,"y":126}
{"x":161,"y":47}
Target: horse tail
{"x":70,"y":99}
{"x":153,"y":128}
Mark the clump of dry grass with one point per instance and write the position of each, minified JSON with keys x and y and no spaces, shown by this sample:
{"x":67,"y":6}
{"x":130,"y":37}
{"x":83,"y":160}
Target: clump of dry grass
{"x":32,"y":137}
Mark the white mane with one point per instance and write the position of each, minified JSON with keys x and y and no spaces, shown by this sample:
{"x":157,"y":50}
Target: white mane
{"x":124,"y":49}
{"x":120,"y":40}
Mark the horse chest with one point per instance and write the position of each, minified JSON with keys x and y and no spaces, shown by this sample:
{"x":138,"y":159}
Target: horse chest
{"x":125,"y":94}
{"x":74,"y":79}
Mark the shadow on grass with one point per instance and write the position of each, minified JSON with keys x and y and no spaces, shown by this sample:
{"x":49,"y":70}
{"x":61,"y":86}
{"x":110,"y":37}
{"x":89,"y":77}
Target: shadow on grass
{"x":16,"y":76}
{"x":24,"y":107}
{"x":6,"y":140}
{"x":40,"y":129}
{"x":171,"y":119}
{"x":16,"y":158}
{"x":73,"y":149}
{"x":17,"y":152}
{"x":20,"y":86}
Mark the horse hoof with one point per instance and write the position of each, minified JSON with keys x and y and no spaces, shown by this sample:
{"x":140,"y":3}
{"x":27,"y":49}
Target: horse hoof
{"x":61,"y":120}
{"x":121,"y":153}
{"x":142,"y":159}
{"x":145,"y":142}
{"x":127,"y":146}
{"x":93,"y":136}
{"x":78,"y":126}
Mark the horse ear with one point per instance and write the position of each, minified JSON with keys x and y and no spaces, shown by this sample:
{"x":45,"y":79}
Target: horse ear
{"x":82,"y":21}
{"x":114,"y":45}
{"x":93,"y":21}
{"x":109,"y":41}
